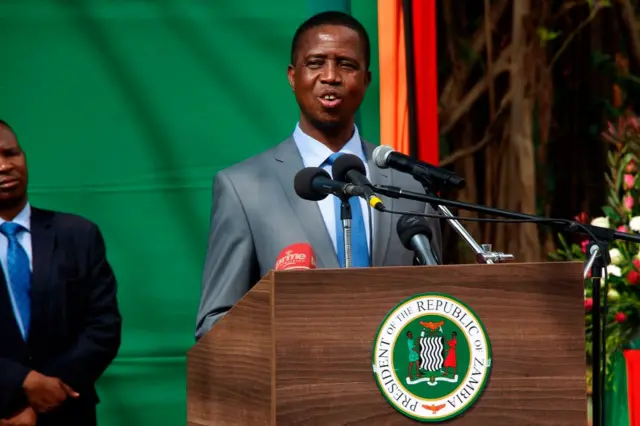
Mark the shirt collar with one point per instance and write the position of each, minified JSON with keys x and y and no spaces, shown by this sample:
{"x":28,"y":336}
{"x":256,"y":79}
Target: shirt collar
{"x":23,"y":218}
{"x":314,"y":153}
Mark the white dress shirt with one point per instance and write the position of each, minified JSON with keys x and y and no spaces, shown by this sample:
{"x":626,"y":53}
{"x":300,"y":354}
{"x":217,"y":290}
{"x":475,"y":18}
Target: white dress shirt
{"x":314,"y":154}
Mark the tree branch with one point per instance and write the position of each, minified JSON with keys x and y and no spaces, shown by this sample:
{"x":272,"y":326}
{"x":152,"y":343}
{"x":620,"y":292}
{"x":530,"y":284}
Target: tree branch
{"x":451,"y":89}
{"x":461,"y":153}
{"x":628,"y":16}
{"x":449,"y":118}
{"x":488,"y":32}
{"x":572,"y":35}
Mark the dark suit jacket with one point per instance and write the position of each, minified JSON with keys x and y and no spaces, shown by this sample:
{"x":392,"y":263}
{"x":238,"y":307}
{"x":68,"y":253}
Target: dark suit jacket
{"x":75,"y":321}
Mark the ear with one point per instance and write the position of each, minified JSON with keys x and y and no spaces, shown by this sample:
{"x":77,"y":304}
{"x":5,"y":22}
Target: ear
{"x":367,"y":78}
{"x":291,"y":75}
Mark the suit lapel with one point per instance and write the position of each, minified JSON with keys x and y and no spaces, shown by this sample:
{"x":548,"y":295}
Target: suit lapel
{"x":42,"y":245}
{"x":382,"y":221}
{"x":308,"y":213}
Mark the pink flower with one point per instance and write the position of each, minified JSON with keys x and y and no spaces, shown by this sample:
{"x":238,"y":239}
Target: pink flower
{"x":583,"y":246}
{"x":620,"y":317}
{"x":628,"y":202}
{"x":636,"y":263}
{"x":633,"y":277}
{"x":622,"y":228}
{"x":631,"y":167}
{"x":628,"y":181}
{"x":588,"y":304}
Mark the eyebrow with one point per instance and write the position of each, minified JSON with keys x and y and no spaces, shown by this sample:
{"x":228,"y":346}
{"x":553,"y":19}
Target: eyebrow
{"x":338,"y":57}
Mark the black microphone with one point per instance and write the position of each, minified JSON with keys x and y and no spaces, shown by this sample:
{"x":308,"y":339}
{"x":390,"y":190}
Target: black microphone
{"x":315,"y":183}
{"x":415,"y":234}
{"x":384,"y":156}
{"x":349,"y":168}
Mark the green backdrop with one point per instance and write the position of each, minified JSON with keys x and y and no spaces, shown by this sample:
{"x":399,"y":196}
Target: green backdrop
{"x":126,"y":110}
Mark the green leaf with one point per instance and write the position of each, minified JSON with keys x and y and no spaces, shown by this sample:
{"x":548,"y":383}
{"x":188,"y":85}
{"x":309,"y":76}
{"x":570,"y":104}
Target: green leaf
{"x":614,"y":199}
{"x":546,"y":35}
{"x":576,"y":252}
{"x":611,"y":213}
{"x":609,"y":181}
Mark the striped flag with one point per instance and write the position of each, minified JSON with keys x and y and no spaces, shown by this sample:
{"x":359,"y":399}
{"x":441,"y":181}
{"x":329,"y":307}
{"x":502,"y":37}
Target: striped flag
{"x":408,"y":83}
{"x":632,"y":358}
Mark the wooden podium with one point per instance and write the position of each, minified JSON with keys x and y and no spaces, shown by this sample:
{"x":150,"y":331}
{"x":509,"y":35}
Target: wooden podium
{"x":297,"y":349}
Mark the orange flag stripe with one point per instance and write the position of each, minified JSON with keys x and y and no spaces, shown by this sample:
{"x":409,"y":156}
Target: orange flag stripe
{"x":394,"y":111}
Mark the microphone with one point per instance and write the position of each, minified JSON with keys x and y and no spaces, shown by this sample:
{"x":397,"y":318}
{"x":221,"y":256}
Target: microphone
{"x":349,"y":168}
{"x":415,"y":233}
{"x":315,"y":183}
{"x":384,"y":156}
{"x":297,"y":256}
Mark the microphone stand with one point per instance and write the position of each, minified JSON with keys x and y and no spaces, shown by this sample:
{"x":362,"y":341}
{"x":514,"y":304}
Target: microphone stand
{"x":597,"y":261}
{"x":345,"y":217}
{"x":483,"y":252}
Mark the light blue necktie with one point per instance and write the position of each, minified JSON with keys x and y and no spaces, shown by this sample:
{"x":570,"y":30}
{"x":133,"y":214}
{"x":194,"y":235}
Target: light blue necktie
{"x":19,"y":274}
{"x":359,"y":246}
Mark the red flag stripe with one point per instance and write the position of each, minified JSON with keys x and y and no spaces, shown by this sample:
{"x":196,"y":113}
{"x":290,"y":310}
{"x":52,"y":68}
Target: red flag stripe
{"x":632,"y":358}
{"x":426,"y":79}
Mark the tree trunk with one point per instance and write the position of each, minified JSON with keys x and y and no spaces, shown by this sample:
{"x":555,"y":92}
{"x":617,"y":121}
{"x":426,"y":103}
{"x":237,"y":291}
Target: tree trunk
{"x":520,"y":169}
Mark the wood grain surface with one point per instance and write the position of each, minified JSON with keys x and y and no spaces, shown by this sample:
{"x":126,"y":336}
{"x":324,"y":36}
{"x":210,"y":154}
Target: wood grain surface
{"x":324,"y":324}
{"x":230,"y":370}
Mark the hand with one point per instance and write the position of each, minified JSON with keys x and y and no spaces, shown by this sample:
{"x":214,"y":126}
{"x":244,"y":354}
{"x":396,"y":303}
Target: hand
{"x":45,"y":393}
{"x":26,"y":417}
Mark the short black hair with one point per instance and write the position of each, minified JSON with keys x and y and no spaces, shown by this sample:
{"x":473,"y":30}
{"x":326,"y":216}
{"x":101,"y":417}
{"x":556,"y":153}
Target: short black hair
{"x":5,"y":124}
{"x":332,"y":17}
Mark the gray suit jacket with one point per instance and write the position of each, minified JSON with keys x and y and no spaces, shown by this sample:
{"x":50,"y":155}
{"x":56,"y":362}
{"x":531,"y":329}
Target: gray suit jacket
{"x":256,"y":213}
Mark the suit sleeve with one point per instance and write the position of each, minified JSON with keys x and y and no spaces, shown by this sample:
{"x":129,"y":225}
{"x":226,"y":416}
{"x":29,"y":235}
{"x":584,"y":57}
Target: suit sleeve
{"x":98,"y":343}
{"x":230,"y":267}
{"x":11,"y":378}
{"x":436,"y":233}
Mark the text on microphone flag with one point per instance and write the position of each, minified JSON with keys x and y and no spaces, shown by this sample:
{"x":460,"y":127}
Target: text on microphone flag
{"x":296,"y":256}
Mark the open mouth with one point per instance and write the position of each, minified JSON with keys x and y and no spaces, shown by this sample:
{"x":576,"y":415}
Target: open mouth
{"x":9,"y":183}
{"x":330,"y":100}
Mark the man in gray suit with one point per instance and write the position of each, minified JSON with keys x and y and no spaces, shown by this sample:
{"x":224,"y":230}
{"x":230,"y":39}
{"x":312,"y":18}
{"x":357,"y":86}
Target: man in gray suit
{"x":256,"y":212}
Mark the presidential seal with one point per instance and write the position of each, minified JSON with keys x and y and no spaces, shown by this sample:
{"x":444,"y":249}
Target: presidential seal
{"x":431,"y":357}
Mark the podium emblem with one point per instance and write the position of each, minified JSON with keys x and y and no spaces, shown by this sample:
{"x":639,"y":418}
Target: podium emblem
{"x":431,"y":357}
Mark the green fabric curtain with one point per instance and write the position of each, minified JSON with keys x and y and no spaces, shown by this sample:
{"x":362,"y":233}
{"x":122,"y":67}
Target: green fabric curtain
{"x":317,"y":6}
{"x":126,"y":111}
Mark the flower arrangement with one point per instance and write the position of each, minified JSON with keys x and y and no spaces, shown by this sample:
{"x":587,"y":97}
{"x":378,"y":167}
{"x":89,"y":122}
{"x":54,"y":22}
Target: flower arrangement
{"x":621,"y":212}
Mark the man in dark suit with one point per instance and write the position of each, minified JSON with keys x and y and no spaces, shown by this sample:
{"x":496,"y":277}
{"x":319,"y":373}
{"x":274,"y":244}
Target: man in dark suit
{"x":59,"y":320}
{"x":256,"y":212}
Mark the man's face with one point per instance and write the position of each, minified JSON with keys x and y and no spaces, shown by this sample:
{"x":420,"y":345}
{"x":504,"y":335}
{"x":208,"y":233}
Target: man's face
{"x":329,"y":76}
{"x":13,"y":169}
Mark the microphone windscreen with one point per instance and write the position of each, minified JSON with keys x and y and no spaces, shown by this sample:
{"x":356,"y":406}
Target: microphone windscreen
{"x":410,"y":225}
{"x":344,"y":164}
{"x":380,"y":155}
{"x":302,"y":183}
{"x":296,"y":256}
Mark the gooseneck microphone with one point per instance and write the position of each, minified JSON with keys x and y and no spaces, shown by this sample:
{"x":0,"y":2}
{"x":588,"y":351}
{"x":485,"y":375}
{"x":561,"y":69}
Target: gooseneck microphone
{"x":435,"y":177}
{"x":315,"y":183}
{"x":349,"y":168}
{"x":415,"y":234}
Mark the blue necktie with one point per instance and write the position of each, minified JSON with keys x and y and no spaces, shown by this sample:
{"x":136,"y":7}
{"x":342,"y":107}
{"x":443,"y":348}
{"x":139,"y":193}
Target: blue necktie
{"x":19,"y":274}
{"x":359,"y":246}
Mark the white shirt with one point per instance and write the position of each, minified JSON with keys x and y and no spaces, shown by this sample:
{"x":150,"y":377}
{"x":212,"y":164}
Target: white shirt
{"x":24,"y":239}
{"x":314,"y":154}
